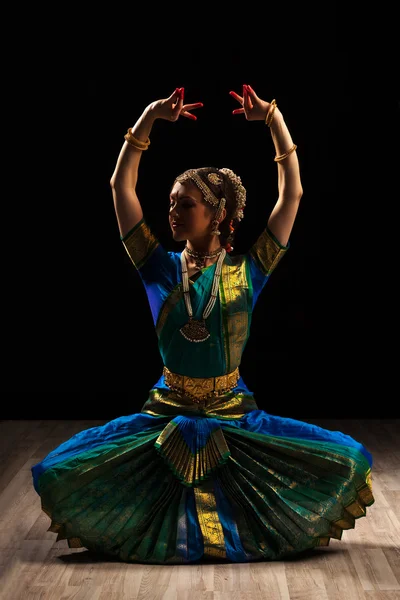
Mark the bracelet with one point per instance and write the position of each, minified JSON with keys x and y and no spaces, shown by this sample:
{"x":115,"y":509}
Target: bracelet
{"x":138,"y":144}
{"x":282,"y":156}
{"x":270,"y":113}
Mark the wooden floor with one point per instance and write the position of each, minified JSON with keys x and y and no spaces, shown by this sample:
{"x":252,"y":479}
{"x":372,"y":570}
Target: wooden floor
{"x":364,"y":564}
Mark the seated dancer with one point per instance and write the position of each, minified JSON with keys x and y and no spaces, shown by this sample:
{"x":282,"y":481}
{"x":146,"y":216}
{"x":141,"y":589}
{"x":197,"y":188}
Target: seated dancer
{"x":201,"y":473}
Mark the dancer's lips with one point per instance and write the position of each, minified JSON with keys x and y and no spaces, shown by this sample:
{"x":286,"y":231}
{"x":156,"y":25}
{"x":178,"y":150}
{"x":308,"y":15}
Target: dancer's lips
{"x":174,"y":224}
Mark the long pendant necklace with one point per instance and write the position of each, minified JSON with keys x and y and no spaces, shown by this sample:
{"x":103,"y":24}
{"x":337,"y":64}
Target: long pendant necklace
{"x":200,"y":258}
{"x":194,"y":330}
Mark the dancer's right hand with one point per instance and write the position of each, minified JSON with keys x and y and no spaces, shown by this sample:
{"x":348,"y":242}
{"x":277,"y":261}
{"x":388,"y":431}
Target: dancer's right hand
{"x":172,"y":108}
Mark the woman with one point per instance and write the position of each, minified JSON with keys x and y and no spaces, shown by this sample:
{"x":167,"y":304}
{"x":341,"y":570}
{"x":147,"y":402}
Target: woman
{"x":201,"y":473}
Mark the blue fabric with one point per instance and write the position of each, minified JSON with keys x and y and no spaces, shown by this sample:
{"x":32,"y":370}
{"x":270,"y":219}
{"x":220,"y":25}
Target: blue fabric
{"x":194,"y":540}
{"x":234,"y":549}
{"x":256,"y":421}
{"x":96,"y":437}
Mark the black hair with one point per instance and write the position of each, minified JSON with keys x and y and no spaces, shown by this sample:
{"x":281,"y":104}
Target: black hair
{"x":226,"y":190}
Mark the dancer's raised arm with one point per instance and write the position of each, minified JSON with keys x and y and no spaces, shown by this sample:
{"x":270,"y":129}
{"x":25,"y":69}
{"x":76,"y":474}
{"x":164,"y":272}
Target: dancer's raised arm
{"x":290,"y":190}
{"x":124,"y":179}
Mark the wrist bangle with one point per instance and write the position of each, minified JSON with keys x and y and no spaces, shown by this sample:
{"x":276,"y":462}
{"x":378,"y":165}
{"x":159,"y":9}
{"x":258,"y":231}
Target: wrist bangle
{"x":138,"y":144}
{"x":282,"y":156}
{"x":270,"y":113}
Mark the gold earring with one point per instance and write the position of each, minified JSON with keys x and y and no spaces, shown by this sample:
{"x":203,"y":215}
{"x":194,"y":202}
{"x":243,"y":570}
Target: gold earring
{"x":215,"y":230}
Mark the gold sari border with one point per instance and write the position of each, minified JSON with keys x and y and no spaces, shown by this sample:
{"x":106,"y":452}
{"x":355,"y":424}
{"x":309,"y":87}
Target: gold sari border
{"x":139,"y":243}
{"x":267,"y":252}
{"x":235,"y":286}
{"x":189,"y":467}
{"x":210,"y":524}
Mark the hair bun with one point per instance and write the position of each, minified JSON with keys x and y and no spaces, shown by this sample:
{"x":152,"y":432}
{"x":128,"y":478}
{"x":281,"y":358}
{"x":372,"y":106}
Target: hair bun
{"x":240,"y":192}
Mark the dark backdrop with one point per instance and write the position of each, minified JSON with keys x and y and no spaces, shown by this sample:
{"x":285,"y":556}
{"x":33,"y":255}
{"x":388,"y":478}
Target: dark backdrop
{"x":78,"y":335}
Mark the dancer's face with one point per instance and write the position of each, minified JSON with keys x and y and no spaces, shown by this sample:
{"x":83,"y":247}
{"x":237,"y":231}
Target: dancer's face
{"x":190,"y":216}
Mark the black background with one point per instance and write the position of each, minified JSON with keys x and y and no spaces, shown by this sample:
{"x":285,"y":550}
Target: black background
{"x":78,"y":337}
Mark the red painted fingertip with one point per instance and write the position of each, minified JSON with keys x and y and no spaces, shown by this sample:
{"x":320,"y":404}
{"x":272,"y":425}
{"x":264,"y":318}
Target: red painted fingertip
{"x":192,"y":117}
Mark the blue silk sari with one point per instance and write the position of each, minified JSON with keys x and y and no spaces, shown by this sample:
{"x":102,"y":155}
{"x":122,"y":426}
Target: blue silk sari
{"x":183,"y":481}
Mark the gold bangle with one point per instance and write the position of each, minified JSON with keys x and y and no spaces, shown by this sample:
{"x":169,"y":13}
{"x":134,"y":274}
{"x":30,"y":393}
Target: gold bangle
{"x":267,"y":116}
{"x":270,"y":113}
{"x":282,"y":156}
{"x":138,"y":144}
{"x":130,"y":135}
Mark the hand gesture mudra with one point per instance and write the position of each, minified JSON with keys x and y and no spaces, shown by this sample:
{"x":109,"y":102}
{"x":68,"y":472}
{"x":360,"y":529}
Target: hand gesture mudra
{"x":253,"y":107}
{"x":172,"y":108}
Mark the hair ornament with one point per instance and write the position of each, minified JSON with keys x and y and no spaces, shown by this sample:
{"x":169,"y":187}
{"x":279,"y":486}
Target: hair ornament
{"x":240,"y":192}
{"x":214,"y":178}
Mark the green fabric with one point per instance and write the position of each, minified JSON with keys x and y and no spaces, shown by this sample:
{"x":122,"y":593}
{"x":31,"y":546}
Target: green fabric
{"x":284,"y":495}
{"x":205,"y":359}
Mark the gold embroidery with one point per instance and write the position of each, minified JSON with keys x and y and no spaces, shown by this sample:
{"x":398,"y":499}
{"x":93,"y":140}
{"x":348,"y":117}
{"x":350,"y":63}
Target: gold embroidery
{"x":336,"y":530}
{"x":226,"y":406}
{"x":323,"y":541}
{"x":233,"y":287}
{"x":168,"y":305}
{"x":200,"y":388}
{"x":365,"y":493}
{"x":139,"y":244}
{"x":237,"y":332}
{"x":192,"y":466}
{"x":267,"y":252}
{"x":210,"y":525}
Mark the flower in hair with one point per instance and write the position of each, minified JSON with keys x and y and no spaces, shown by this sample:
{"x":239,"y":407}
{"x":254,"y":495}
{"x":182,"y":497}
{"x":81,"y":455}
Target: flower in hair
{"x":240,"y":192}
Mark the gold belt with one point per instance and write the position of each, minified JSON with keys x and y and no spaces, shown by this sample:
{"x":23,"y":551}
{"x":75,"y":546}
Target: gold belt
{"x":200,"y":388}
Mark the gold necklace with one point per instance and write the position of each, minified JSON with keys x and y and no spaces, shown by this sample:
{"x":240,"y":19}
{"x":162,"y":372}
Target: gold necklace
{"x":200,"y":257}
{"x":194,"y":330}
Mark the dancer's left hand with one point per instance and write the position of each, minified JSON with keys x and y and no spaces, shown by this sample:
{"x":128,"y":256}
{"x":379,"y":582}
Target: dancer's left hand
{"x":253,"y":107}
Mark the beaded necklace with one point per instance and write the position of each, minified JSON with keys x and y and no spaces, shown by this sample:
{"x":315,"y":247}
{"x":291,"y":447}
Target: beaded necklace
{"x":194,"y":330}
